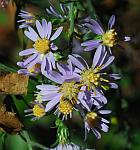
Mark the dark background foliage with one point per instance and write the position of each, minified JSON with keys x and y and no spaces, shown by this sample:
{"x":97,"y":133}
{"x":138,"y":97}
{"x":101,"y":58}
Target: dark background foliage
{"x":124,"y":131}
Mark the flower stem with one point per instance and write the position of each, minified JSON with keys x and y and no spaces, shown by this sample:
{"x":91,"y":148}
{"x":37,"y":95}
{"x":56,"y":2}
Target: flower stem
{"x":62,"y":132}
{"x":71,"y":19}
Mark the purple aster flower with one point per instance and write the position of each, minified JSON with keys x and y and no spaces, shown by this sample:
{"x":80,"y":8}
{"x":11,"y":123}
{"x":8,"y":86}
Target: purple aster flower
{"x":61,"y":12}
{"x":94,"y":77}
{"x":33,"y":71}
{"x":91,"y":98}
{"x":64,"y":96}
{"x":43,"y":46}
{"x":27,"y":20}
{"x":107,"y":38}
{"x":37,"y":111}
{"x":94,"y":120}
{"x":68,"y":146}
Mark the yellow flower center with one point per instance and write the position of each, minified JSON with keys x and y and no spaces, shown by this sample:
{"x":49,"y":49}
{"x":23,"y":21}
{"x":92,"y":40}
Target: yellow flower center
{"x":33,"y":69}
{"x":42,"y":46}
{"x":65,"y":107}
{"x":90,"y":77}
{"x":29,"y":20}
{"x":91,"y":118}
{"x":38,"y":110}
{"x":69,"y":90}
{"x":110,"y":38}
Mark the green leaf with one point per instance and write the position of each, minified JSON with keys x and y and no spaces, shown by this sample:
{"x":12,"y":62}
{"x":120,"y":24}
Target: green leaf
{"x":7,"y":68}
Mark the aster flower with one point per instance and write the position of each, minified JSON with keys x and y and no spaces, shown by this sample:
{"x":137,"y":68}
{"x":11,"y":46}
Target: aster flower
{"x":33,"y":71}
{"x":94,"y":120}
{"x":27,"y":20}
{"x":43,"y":46}
{"x":61,"y":12}
{"x":94,"y":77}
{"x":64,"y":96}
{"x":70,"y":146}
{"x":37,"y":111}
{"x":107,"y":38}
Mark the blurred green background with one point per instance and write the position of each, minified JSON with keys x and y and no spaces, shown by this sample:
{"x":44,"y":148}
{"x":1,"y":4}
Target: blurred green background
{"x":124,"y":131}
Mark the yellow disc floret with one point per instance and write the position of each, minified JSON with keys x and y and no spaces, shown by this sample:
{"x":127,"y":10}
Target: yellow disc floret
{"x":38,"y":110}
{"x":69,"y":90}
{"x":33,"y":68}
{"x":110,"y":38}
{"x":91,"y":118}
{"x":42,"y":46}
{"x":65,"y":107}
{"x":90,"y":77}
{"x":29,"y":20}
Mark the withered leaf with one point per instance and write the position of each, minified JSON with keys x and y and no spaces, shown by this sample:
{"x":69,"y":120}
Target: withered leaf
{"x":9,"y":122}
{"x":13,"y":83}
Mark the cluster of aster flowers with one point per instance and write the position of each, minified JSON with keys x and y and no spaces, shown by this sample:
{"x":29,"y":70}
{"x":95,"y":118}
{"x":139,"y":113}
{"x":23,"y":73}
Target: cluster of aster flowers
{"x":75,"y":85}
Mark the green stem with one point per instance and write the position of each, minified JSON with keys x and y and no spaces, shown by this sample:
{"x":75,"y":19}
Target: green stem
{"x":71,"y":15}
{"x":7,"y":68}
{"x":62,"y":132}
{"x":26,"y":136}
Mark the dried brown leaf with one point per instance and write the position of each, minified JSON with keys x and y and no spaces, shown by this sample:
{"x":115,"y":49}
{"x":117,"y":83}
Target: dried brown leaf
{"x":9,"y":122}
{"x":13,"y":83}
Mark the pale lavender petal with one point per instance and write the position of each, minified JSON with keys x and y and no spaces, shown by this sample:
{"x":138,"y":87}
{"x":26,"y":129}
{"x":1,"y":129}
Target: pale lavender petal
{"x":54,"y":11}
{"x":53,"y":47}
{"x":80,"y":97}
{"x":44,"y":26}
{"x":43,"y":65}
{"x":49,"y":28}
{"x":30,"y":36}
{"x":52,"y":59}
{"x":56,"y":77}
{"x":97,"y":56}
{"x":57,"y":33}
{"x":95,"y":27}
{"x":46,"y":65}
{"x":69,"y":78}
{"x":27,"y":52}
{"x":102,"y":99}
{"x":113,"y":85}
{"x":47,"y":95}
{"x":93,"y":43}
{"x":104,"y":120}
{"x":23,"y":26}
{"x":76,"y":62}
{"x":20,"y":64}
{"x":47,"y":87}
{"x":111,"y":22}
{"x":90,"y":48}
{"x":104,"y":111}
{"x":109,"y":61}
{"x":97,"y":134}
{"x":104,"y":127}
{"x":30,"y":59}
{"x":52,"y":103}
{"x":32,"y":31}
{"x":115,"y":76}
{"x":103,"y":59}
{"x":82,"y":60}
{"x":61,"y":69}
{"x":95,"y":102}
{"x":127,"y":38}
{"x":21,"y":20}
{"x":35,"y":61}
{"x":39,"y":29}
